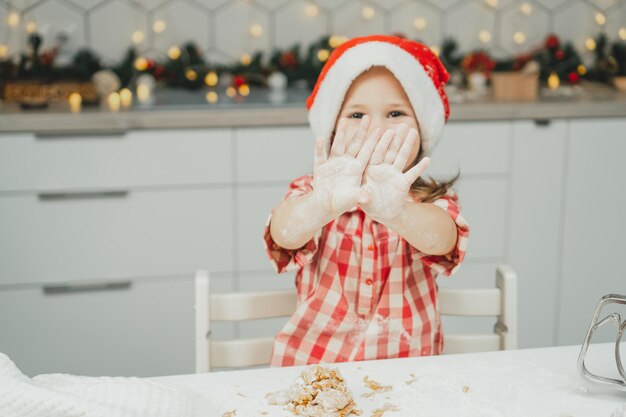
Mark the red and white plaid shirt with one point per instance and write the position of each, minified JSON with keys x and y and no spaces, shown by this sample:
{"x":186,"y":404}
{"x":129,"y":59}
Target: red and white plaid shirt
{"x":363,"y":291}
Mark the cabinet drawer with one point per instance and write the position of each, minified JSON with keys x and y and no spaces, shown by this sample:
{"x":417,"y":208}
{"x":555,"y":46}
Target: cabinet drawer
{"x":135,"y":158}
{"x":144,"y":328}
{"x":274,"y":154}
{"x":472,"y":148}
{"x":142,"y":233}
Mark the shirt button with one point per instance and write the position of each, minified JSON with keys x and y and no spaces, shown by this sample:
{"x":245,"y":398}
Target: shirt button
{"x":369,"y":281}
{"x":370,"y":248}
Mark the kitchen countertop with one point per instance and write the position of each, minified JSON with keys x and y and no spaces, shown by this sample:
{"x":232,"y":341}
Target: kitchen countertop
{"x":187,"y":109}
{"x":528,"y":382}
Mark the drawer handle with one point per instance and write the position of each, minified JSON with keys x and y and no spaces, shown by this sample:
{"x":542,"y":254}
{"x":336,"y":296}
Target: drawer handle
{"x":85,"y":287}
{"x":542,"y":122}
{"x":81,"y":194}
{"x":68,"y":134}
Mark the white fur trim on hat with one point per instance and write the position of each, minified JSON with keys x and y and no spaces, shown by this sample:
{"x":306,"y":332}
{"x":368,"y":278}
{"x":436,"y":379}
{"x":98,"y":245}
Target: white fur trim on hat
{"x":417,"y":84}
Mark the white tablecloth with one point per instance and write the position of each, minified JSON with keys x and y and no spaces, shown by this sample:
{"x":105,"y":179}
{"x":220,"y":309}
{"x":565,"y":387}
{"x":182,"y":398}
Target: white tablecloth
{"x":521,"y":383}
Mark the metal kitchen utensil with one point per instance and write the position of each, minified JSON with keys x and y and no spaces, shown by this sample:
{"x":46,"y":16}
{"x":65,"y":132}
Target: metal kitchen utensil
{"x":613,"y":319}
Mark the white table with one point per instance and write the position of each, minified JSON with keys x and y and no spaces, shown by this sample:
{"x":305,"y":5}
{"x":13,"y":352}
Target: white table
{"x":531,"y":382}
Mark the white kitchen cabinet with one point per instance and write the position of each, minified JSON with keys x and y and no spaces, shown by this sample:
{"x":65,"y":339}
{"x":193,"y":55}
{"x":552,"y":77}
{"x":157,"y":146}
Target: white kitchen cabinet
{"x":277,"y":154}
{"x":594,"y":227}
{"x":141,"y":233}
{"x":131,"y":159}
{"x":537,"y":179}
{"x":142,"y":327}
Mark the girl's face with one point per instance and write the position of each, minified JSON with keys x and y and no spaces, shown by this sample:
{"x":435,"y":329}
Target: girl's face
{"x":378,"y":94}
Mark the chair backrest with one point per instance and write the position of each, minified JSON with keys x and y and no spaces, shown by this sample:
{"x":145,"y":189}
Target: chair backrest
{"x":500,"y":301}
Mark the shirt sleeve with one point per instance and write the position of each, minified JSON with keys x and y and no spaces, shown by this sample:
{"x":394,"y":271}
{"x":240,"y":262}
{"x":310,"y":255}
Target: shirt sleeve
{"x":447,"y":264}
{"x":283,"y":259}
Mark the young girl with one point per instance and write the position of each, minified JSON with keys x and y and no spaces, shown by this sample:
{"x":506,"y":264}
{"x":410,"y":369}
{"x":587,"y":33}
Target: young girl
{"x":367,"y":235}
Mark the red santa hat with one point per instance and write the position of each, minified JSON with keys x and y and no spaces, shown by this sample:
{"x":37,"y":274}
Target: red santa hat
{"x":417,"y":68}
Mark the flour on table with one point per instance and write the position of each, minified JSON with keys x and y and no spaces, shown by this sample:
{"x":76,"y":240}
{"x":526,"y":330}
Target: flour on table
{"x":318,"y":392}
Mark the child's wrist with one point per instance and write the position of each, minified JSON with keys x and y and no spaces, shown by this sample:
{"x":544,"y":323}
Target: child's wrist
{"x":319,"y":211}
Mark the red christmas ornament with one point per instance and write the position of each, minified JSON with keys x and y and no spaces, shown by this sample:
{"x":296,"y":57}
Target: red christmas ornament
{"x":559,"y":54}
{"x":288,"y":60}
{"x":573,"y":77}
{"x":239,"y":80}
{"x":552,"y":41}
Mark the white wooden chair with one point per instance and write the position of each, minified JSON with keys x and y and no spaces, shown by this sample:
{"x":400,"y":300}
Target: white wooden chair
{"x":500,"y":301}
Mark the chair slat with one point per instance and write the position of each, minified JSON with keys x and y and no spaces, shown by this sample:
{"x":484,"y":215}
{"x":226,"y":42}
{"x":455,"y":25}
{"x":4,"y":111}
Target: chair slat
{"x":471,"y":343}
{"x":241,"y":353}
{"x":470,"y":302}
{"x":252,"y":306}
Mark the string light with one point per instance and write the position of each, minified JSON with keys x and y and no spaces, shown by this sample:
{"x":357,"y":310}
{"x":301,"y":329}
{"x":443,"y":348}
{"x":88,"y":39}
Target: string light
{"x":519,"y":38}
{"x":323,"y":55}
{"x":212,"y":97}
{"x":582,"y":70}
{"x":600,"y":19}
{"x":31,"y":27}
{"x":590,"y":43}
{"x":113,"y":101}
{"x":211,"y":79}
{"x":173,"y":53}
{"x":526,"y":8}
{"x":245,"y":59}
{"x":191,"y":75}
{"x":141,"y":64}
{"x":256,"y":30}
{"x":126,"y":97}
{"x":335,"y":41}
{"x":312,"y":10}
{"x":137,"y":37}
{"x":244,"y":89}
{"x":622,"y":33}
{"x":420,"y":23}
{"x":231,"y":92}
{"x":553,"y":81}
{"x":159,"y":26}
{"x":75,"y":101}
{"x":4,"y":50}
{"x":13,"y":19}
{"x":492,"y":3}
{"x":368,"y":12}
{"x":484,"y":36}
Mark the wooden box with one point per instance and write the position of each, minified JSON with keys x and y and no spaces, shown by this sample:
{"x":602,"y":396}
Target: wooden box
{"x":514,"y":86}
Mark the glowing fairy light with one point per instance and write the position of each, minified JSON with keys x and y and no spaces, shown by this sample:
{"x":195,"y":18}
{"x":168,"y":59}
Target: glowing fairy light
{"x":256,"y":30}
{"x":312,"y":10}
{"x":420,"y":23}
{"x":245,"y":59}
{"x":173,"y":53}
{"x":13,"y":19}
{"x":519,"y":38}
{"x":600,"y":19}
{"x":323,"y":55}
{"x":590,"y":43}
{"x":159,"y":26}
{"x":191,"y":75}
{"x":553,"y":81}
{"x":212,"y":97}
{"x":526,"y":8}
{"x":137,"y":37}
{"x":141,"y":64}
{"x":484,"y":36}
{"x":211,"y":79}
{"x":368,"y":13}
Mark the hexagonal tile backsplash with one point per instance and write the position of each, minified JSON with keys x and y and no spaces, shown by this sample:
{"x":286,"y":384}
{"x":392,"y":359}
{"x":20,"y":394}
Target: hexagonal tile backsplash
{"x":227,"y":29}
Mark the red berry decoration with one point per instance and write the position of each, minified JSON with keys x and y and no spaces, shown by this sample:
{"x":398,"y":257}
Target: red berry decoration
{"x":573,"y":77}
{"x":239,"y":80}
{"x":288,"y":60}
{"x":559,"y":54}
{"x":552,"y":41}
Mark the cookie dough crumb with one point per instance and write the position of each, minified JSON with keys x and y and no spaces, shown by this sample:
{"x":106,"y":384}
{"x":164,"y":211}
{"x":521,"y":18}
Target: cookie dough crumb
{"x":230,"y":413}
{"x":318,"y":392}
{"x":376,"y":387}
{"x":387,"y":407}
{"x":410,"y":379}
{"x":466,"y":389}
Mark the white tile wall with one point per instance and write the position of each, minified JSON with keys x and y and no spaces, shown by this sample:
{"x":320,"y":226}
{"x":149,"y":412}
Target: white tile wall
{"x":221,"y":27}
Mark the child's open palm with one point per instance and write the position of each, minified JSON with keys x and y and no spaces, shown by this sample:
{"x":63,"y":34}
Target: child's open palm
{"x":385,"y":185}
{"x":337,"y":177}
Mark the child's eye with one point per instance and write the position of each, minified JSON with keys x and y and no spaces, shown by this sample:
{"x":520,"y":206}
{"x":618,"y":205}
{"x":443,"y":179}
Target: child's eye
{"x":397,"y":113}
{"x":356,"y":115}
